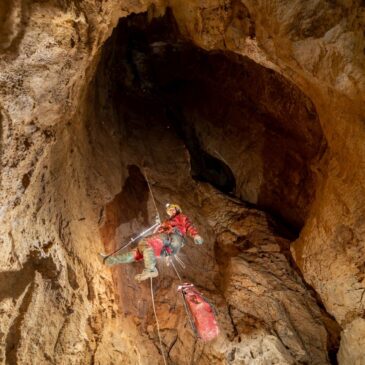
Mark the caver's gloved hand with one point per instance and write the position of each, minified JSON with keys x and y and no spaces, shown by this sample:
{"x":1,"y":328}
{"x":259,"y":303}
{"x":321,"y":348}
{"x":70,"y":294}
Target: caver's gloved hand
{"x":198,"y":240}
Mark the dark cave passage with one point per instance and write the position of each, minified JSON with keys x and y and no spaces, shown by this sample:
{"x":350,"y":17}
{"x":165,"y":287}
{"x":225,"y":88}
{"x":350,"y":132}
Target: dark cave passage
{"x":204,"y":167}
{"x":180,"y":112}
{"x":176,"y":117}
{"x":249,"y":131}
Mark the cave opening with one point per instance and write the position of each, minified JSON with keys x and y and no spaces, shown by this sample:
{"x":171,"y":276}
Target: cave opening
{"x":249,"y":131}
{"x":172,"y":115}
{"x":177,"y":112}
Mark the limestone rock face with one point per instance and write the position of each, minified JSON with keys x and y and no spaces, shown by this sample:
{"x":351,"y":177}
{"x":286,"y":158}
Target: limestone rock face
{"x":319,"y":46}
{"x":352,"y":344}
{"x":244,"y":248}
{"x":57,"y":302}
{"x":272,"y":312}
{"x":85,"y":118}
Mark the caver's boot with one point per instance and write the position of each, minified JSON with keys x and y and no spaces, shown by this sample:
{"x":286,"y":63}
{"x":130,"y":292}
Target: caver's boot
{"x":124,"y":258}
{"x":150,"y":270}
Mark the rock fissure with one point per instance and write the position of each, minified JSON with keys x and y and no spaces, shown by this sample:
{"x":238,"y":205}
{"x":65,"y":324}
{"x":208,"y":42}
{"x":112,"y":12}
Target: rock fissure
{"x":13,"y":337}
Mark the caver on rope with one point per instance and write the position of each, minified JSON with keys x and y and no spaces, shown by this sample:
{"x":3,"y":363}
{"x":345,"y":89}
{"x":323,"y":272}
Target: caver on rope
{"x":168,"y":239}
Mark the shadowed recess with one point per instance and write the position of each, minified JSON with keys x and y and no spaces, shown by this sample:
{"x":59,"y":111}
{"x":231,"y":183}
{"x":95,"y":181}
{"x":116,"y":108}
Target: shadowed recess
{"x":249,"y":131}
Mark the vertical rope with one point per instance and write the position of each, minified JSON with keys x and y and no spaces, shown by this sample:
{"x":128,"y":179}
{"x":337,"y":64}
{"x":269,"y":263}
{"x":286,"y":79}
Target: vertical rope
{"x":181,"y":262}
{"x":153,"y":197}
{"x":188,"y":314}
{"x":157,"y":323}
{"x":177,"y":273}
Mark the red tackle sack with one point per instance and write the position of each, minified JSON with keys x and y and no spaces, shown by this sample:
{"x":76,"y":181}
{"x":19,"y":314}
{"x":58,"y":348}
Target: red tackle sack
{"x":200,"y":311}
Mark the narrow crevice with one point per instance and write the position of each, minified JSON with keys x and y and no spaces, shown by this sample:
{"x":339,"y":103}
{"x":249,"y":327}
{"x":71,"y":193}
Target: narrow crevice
{"x":11,"y":49}
{"x":204,"y":167}
{"x":13,"y":337}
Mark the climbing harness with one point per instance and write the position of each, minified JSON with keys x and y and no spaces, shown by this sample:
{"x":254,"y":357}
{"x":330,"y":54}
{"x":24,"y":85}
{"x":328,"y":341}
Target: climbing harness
{"x":166,"y":248}
{"x":157,"y":324}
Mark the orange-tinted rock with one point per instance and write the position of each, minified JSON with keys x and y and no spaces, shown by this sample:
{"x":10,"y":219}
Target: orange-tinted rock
{"x":64,"y":162}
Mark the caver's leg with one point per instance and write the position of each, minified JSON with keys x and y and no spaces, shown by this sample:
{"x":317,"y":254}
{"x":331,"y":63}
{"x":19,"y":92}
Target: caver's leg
{"x":149,"y":258}
{"x":124,"y":258}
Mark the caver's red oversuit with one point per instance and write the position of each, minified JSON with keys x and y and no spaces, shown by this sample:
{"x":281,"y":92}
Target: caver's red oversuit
{"x":168,"y":239}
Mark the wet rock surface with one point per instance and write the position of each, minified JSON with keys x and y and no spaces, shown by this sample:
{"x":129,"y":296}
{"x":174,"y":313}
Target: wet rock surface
{"x":82,"y":124}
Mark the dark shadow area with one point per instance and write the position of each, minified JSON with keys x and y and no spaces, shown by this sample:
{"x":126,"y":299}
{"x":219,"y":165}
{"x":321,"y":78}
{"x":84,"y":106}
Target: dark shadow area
{"x":249,"y":131}
{"x":204,"y":167}
{"x":13,"y":283}
{"x":245,"y":130}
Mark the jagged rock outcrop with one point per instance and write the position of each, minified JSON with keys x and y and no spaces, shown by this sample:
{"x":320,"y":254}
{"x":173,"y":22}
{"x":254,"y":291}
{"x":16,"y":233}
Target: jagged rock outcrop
{"x":70,"y":141}
{"x":319,"y":46}
{"x":275,"y":319}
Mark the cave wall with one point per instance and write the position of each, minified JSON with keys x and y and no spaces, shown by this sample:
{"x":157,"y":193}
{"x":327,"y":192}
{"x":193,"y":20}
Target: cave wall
{"x":255,"y":326}
{"x":319,"y":46}
{"x":263,"y":127}
{"x":57,"y":303}
{"x":49,"y":168}
{"x":248,"y":118}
